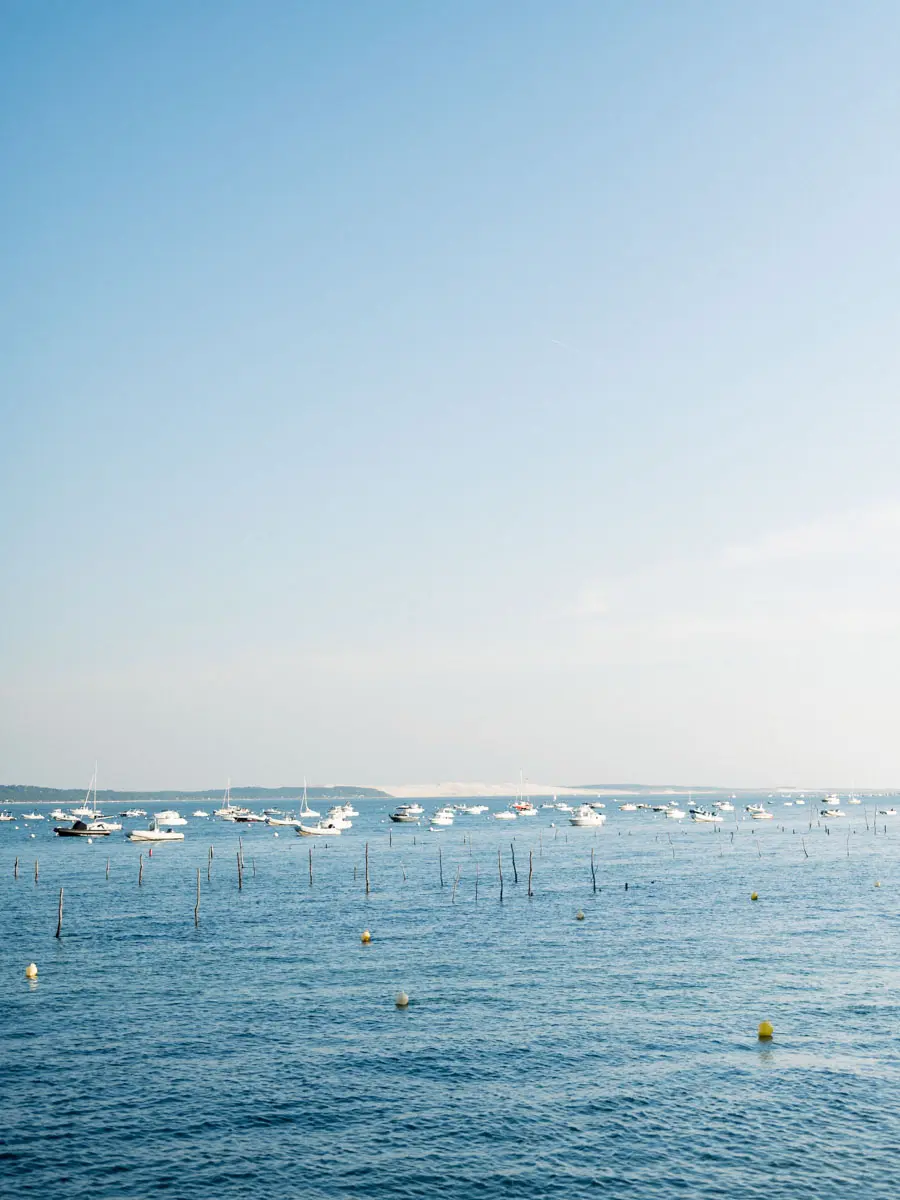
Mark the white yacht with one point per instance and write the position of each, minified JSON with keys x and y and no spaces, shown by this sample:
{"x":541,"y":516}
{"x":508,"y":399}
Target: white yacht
{"x":404,"y":815}
{"x":169,"y":817}
{"x":58,"y":814}
{"x":327,"y":827}
{"x":704,"y":816}
{"x":199,"y":813}
{"x":628,"y":807}
{"x":675,"y":814}
{"x":443,"y":817}
{"x":724,"y":806}
{"x":156,"y":833}
{"x":506,"y":815}
{"x":585,"y":816}
{"x":524,"y":808}
{"x":758,"y":813}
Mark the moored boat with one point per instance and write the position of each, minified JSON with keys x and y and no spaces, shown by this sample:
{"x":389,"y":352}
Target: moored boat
{"x":156,"y":833}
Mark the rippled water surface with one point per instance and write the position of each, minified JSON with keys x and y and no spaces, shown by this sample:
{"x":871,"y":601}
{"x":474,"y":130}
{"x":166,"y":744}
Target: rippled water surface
{"x":262,"y":1053}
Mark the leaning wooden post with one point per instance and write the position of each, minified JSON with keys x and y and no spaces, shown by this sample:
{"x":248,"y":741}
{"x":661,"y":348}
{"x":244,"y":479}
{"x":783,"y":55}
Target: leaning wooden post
{"x":441,"y":866}
{"x":512,"y":851}
{"x":36,"y":870}
{"x":367,"y":868}
{"x":476,"y":883}
{"x":107,"y":868}
{"x":500,"y":870}
{"x":141,"y":871}
{"x":59,"y":916}
{"x":310,"y":866}
{"x":209,"y":863}
{"x":16,"y":868}
{"x":197,"y":905}
{"x":455,"y":882}
{"x":530,"y":868}
{"x":240,"y":871}
{"x":241,"y":851}
{"x":593,"y":870}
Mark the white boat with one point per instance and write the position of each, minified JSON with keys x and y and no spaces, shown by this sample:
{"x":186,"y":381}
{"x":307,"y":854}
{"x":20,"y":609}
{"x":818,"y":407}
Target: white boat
{"x":199,"y":813}
{"x":59,"y":814}
{"x":414,"y":808}
{"x":832,"y":800}
{"x":724,"y":806}
{"x":32,"y":816}
{"x":133,"y":813}
{"x":5,"y":816}
{"x":761,"y":814}
{"x":854,"y":800}
{"x":337,"y":817}
{"x":348,"y":810}
{"x":585,"y":816}
{"x":506,"y":815}
{"x":80,"y":828}
{"x":472,"y":810}
{"x":156,"y":833}
{"x":833,"y":812}
{"x":443,"y":817}
{"x":754,"y":808}
{"x":169,"y":817}
{"x":675,"y":814}
{"x":703,"y":816}
{"x":887,"y":812}
{"x":88,"y":810}
{"x":524,"y":808}
{"x":597,"y":804}
{"x":627,"y":808}
{"x":324,"y":828}
{"x":799,"y":801}
{"x":562,"y":807}
{"x":229,"y":811}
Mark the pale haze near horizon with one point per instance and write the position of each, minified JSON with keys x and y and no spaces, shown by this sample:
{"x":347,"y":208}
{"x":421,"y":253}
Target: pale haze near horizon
{"x":399,"y":392}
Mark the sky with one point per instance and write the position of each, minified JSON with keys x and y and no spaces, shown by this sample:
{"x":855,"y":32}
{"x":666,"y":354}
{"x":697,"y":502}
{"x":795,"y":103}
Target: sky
{"x":402,"y":391}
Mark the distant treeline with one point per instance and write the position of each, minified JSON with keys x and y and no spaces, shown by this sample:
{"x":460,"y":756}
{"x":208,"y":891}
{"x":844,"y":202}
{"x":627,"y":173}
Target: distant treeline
{"x":15,"y":793}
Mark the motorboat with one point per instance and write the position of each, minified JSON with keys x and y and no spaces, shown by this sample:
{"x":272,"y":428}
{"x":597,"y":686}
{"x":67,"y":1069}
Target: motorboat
{"x":324,"y":828}
{"x":292,"y":822}
{"x":80,"y":828}
{"x":134,"y":813}
{"x":199,"y":813}
{"x":704,"y":816}
{"x":832,"y":800}
{"x":506,"y":815}
{"x":758,"y":813}
{"x":832,"y":812}
{"x":628,"y":808}
{"x":402,"y":815}
{"x":338,"y":817}
{"x":169,"y":817}
{"x":156,"y":833}
{"x":563,"y":807}
{"x":675,"y":814}
{"x":103,"y":823}
{"x":443,"y":817}
{"x":887,"y":812}
{"x":724,"y":806}
{"x":5,"y":816}
{"x":32,"y":816}
{"x":349,"y":810}
{"x":597,"y":804}
{"x":250,"y":818}
{"x":585,"y":816}
{"x":754,"y":808}
{"x":416,"y":809}
{"x":472,"y":810}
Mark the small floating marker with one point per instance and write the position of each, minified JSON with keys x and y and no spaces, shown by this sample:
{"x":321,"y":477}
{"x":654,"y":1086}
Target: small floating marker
{"x":765,"y":1031}
{"x":402,"y":1000}
{"x":579,"y":916}
{"x":878,"y":883}
{"x":365,"y":937}
{"x":753,"y":896}
{"x":31,"y":971}
{"x":276,"y":833}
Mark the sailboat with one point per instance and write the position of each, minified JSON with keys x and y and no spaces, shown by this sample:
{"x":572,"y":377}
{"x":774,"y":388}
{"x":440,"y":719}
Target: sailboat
{"x":89,"y":808}
{"x":305,"y":810}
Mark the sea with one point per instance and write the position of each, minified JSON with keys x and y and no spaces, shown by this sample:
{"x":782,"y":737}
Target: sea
{"x":259,"y":1051}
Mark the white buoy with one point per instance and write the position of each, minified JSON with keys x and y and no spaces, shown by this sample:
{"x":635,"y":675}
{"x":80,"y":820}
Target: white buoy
{"x":31,"y":971}
{"x":402,"y":1000}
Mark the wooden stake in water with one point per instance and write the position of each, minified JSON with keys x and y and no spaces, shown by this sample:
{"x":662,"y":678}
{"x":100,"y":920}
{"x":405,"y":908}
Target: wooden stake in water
{"x":367,"y":868}
{"x":593,"y":871}
{"x":441,"y":866}
{"x":253,"y":866}
{"x":209,"y":863}
{"x":141,"y":871}
{"x":512,"y":851}
{"x":476,"y":883}
{"x":455,"y":882}
{"x":59,"y":915}
{"x":107,"y":868}
{"x":530,"y":868}
{"x":16,"y":868}
{"x":36,"y":870}
{"x":500,"y":870}
{"x":197,"y":905}
{"x":310,"y":866}
{"x":240,"y":872}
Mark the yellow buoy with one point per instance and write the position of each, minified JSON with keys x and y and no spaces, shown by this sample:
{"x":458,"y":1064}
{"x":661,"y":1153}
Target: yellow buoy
{"x":753,"y":896}
{"x":878,"y":883}
{"x":579,"y":916}
{"x":366,"y":937}
{"x":31,"y":971}
{"x":765,"y":1031}
{"x":402,"y":1000}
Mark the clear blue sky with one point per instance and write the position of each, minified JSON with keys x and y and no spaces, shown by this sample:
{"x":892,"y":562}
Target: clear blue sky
{"x":421,"y":391}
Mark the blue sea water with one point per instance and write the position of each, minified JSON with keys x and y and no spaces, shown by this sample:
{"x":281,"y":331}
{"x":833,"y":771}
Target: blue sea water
{"x":262,"y":1054}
